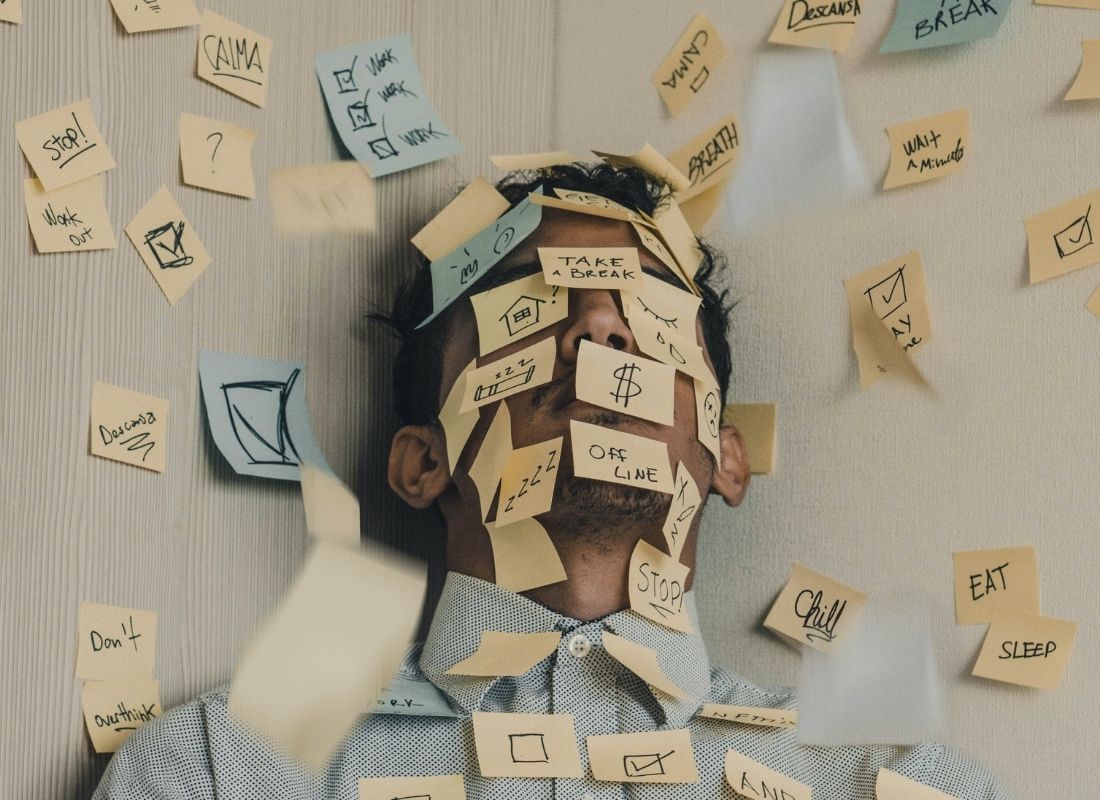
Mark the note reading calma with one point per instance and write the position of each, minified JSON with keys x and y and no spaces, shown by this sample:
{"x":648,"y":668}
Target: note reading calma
{"x":380,"y":107}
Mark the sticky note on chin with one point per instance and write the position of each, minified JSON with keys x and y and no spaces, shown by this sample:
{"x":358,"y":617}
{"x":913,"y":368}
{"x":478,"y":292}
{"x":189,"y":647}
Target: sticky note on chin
{"x":657,"y":587}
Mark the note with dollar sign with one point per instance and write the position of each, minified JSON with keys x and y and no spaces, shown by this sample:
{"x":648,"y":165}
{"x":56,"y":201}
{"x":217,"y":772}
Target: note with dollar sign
{"x":622,"y":381}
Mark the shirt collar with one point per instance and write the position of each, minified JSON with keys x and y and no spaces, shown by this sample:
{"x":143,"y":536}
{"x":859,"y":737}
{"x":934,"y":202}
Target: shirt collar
{"x":469,"y":606}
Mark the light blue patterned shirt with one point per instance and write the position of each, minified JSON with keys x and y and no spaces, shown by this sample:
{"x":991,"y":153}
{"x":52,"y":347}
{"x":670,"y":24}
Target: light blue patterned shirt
{"x":198,"y":752}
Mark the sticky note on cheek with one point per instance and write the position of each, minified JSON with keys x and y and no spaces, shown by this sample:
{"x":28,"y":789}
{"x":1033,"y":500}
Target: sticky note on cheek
{"x":990,"y":579}
{"x":605,"y":454}
{"x":511,"y":374}
{"x":527,"y":483}
{"x":656,"y":585}
{"x":217,"y":155}
{"x":708,"y":416}
{"x":115,"y":642}
{"x":115,"y":709}
{"x":130,"y":427}
{"x":517,"y":309}
{"x":65,"y":145}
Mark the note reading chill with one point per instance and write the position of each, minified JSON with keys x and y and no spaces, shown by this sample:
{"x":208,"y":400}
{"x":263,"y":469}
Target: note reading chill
{"x":621,"y":381}
{"x":138,"y":16}
{"x":1061,"y":240}
{"x":933,"y":23}
{"x":71,"y":218}
{"x":750,"y":778}
{"x":380,"y":107}
{"x":64,"y":145}
{"x":751,"y":715}
{"x":606,"y":454}
{"x":217,"y":155}
{"x":234,"y":58}
{"x":319,"y":199}
{"x":516,"y":372}
{"x":592,"y":267}
{"x":1026,"y":649}
{"x":681,"y":512}
{"x":656,"y":585}
{"x":113,"y":709}
{"x":129,"y":426}
{"x":928,"y":148}
{"x":827,"y":25}
{"x":648,"y":757}
{"x":989,"y":579}
{"x":528,"y":480}
{"x":515,"y":310}
{"x":526,"y":745}
{"x":168,"y":245}
{"x":115,"y":642}
{"x":816,"y":610}
{"x":688,"y":66}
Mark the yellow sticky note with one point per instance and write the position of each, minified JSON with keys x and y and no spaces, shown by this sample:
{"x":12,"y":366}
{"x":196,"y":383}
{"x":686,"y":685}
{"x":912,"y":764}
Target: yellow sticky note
{"x":217,"y":155}
{"x":658,"y":340}
{"x":687,"y":68}
{"x":889,"y":298}
{"x":1086,"y":86}
{"x":475,"y":207}
{"x":65,"y":145}
{"x":1060,"y":239}
{"x":815,"y":609}
{"x":648,"y":757}
{"x":656,"y":587}
{"x":433,"y":787}
{"x":315,"y":199}
{"x":622,"y":381}
{"x":756,"y":424}
{"x":524,"y":557}
{"x":606,"y":454}
{"x":828,"y":26}
{"x":681,"y":511}
{"x":928,"y":148}
{"x":652,"y":242}
{"x":751,"y":715}
{"x":488,"y":465}
{"x":594,"y":205}
{"x":699,"y":208}
{"x":651,"y":161}
{"x":169,"y":246}
{"x":519,"y":161}
{"x":1025,"y":649}
{"x":115,"y":642}
{"x":234,"y":58}
{"x":680,"y":239}
{"x":592,"y":267}
{"x":138,"y":16}
{"x":504,"y":654}
{"x":114,"y":709}
{"x":71,"y":218}
{"x":710,"y":157}
{"x":514,"y":373}
{"x":457,"y":425}
{"x":305,"y":677}
{"x":1007,"y":577}
{"x":672,"y":310}
{"x":642,"y":661}
{"x":332,"y":509}
{"x":517,"y":309}
{"x":11,"y":11}
{"x":526,"y":745}
{"x":752,"y":779}
{"x":1093,"y":5}
{"x":527,"y":482}
{"x":889,"y":785}
{"x":1093,"y":303}
{"x":708,"y":416}
{"x":129,"y":426}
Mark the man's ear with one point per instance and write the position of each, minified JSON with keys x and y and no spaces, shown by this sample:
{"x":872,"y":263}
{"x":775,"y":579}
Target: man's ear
{"x":731,"y":473}
{"x":417,"y":468}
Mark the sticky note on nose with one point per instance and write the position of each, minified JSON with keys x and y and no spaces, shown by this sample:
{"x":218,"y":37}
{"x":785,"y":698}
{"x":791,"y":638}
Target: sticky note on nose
{"x":622,"y":381}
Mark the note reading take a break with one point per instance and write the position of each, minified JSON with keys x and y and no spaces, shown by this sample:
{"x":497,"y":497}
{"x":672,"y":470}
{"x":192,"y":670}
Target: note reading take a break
{"x":656,"y":586}
{"x":932,"y":23}
{"x":168,"y":245}
{"x":606,"y":454}
{"x":928,"y":148}
{"x":114,"y":709}
{"x":432,"y":787}
{"x":643,"y":662}
{"x":681,"y":511}
{"x":317,"y":199}
{"x":129,"y":426}
{"x":528,"y":480}
{"x":1087,"y":84}
{"x":155,"y":15}
{"x":476,"y":206}
{"x":217,"y":155}
{"x":889,"y":785}
{"x":505,"y":654}
{"x":515,"y":310}
{"x":592,"y":267}
{"x":1061,"y":239}
{"x":516,"y":372}
{"x":65,"y":145}
{"x":526,"y":745}
{"x":524,"y":557}
{"x":71,"y":218}
{"x":987,"y":579}
{"x":621,"y":381}
{"x":234,"y":58}
{"x":1026,"y":649}
{"x":688,"y":66}
{"x":751,"y":715}
{"x":115,"y":642}
{"x":816,"y":610}
{"x":756,"y":424}
{"x":750,"y":778}
{"x":648,"y":757}
{"x":825,"y":25}
{"x":457,"y":424}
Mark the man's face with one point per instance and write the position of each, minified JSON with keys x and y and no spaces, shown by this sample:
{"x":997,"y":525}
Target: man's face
{"x":545,"y":412}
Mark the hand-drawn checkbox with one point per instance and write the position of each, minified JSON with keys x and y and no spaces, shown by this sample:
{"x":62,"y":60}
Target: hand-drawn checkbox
{"x":528,"y":748}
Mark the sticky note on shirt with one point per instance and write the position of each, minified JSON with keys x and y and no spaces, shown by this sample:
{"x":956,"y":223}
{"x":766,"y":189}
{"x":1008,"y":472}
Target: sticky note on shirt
{"x":752,"y":779}
{"x":234,"y":58}
{"x":514,"y":373}
{"x":502,"y":653}
{"x":11,"y":11}
{"x":527,"y":482}
{"x":889,"y":785}
{"x":919,"y":24}
{"x":138,"y":16}
{"x":433,"y":787}
{"x":326,"y":198}
{"x":477,"y":205}
{"x":642,"y":661}
{"x":168,"y":245}
{"x":71,"y":218}
{"x":816,"y":610}
{"x":129,"y":426}
{"x":380,"y":107}
{"x":751,"y":715}
{"x":928,"y":148}
{"x":524,"y":556}
{"x":592,"y":267}
{"x":1026,"y":649}
{"x":65,"y":145}
{"x":606,"y":454}
{"x":648,"y":757}
{"x":1061,"y":239}
{"x":688,"y":66}
{"x":217,"y":155}
{"x":526,"y":745}
{"x":656,"y":586}
{"x":115,"y":642}
{"x":756,"y":424}
{"x":116,"y":708}
{"x":987,"y":579}
{"x":825,"y":25}
{"x":515,"y":310}
{"x":621,"y":381}
{"x":682,"y":511}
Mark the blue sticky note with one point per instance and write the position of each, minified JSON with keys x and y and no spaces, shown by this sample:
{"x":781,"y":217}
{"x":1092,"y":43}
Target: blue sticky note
{"x":933,"y":23}
{"x":417,"y":698}
{"x":256,"y":409}
{"x":380,"y":107}
{"x":457,"y":271}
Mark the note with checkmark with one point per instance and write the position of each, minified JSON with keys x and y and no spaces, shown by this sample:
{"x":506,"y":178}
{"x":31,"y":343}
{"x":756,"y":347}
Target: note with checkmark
{"x":1061,"y":239}
{"x":168,"y":245}
{"x":648,"y":757}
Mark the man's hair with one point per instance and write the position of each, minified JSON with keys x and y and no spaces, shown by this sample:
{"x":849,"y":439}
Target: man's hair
{"x":417,"y":370}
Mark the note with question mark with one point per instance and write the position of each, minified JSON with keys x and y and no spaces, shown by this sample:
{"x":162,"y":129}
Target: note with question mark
{"x":217,"y":155}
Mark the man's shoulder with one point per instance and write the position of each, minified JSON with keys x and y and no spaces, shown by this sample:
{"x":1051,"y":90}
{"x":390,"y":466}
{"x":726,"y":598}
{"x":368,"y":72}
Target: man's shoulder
{"x":729,"y":688}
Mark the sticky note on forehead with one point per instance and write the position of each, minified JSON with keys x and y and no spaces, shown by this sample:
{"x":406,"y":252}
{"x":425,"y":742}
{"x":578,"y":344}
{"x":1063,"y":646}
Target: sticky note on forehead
{"x":988,"y":579}
{"x":928,"y":148}
{"x":477,"y":205}
{"x":816,"y":610}
{"x":1026,"y":649}
{"x":592,"y":267}
{"x":515,"y":310}
{"x":234,"y":58}
{"x":65,"y":145}
{"x":688,"y":66}
{"x":517,"y":372}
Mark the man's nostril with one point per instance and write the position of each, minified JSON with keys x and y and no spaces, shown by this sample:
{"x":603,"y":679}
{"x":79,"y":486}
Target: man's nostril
{"x":616,"y":342}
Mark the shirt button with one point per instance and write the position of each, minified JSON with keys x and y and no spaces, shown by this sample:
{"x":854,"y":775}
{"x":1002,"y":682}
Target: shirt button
{"x":579,"y":645}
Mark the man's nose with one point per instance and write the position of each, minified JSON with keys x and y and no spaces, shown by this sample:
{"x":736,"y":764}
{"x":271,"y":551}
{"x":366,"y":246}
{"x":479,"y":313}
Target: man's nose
{"x":594,"y":315}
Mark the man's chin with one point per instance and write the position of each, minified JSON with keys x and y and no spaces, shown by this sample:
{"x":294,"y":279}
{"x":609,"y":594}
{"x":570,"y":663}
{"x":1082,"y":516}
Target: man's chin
{"x":587,"y":508}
